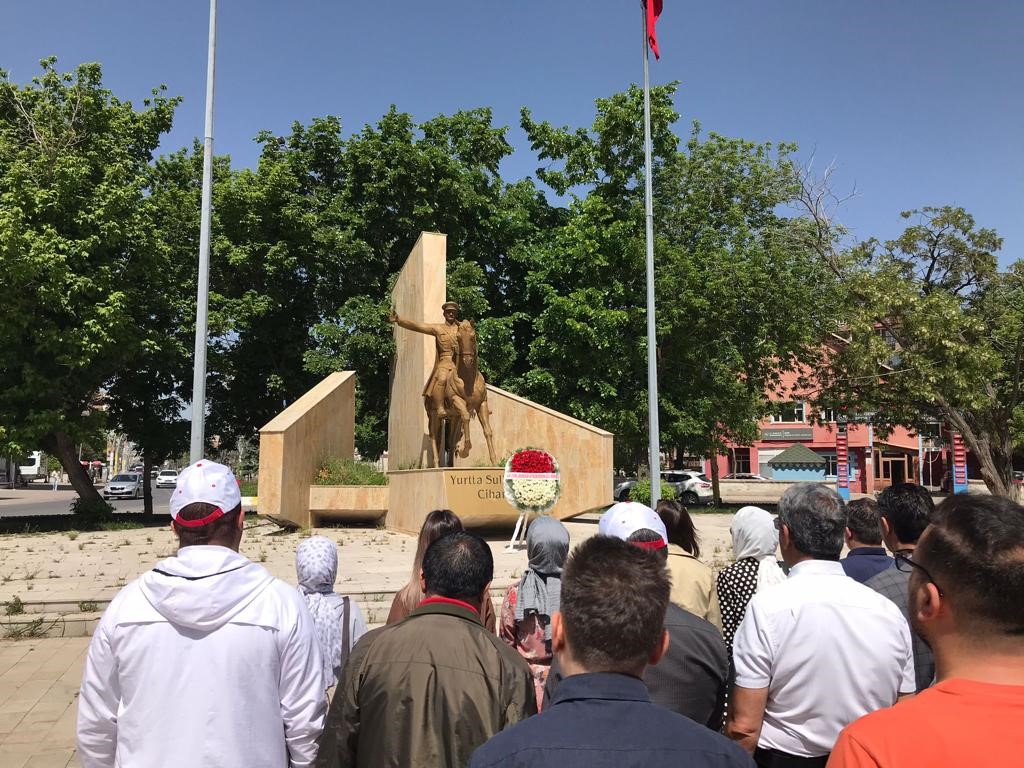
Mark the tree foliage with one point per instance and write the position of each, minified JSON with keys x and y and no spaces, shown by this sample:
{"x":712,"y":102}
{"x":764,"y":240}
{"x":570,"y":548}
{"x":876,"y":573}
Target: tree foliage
{"x":934,"y":332}
{"x":79,"y":252}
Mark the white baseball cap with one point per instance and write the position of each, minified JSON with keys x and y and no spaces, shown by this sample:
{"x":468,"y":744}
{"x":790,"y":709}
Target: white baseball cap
{"x":207,"y":482}
{"x":624,"y":519}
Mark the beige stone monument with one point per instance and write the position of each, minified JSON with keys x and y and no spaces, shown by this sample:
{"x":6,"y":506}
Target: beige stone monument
{"x":472,"y":488}
{"x":321,"y":424}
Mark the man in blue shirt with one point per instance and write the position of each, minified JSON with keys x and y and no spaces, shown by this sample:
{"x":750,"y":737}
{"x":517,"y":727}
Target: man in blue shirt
{"x":864,"y":538}
{"x":611,"y":626}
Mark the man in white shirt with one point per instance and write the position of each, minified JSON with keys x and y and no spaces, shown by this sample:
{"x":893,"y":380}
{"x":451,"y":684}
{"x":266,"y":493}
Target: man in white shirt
{"x":817,"y":651}
{"x":207,"y":659}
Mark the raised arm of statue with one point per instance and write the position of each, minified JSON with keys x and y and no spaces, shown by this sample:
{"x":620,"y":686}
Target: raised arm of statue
{"x":412,"y":325}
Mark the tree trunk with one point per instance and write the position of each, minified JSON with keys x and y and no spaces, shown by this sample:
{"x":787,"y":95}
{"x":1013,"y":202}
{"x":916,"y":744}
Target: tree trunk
{"x":147,"y":488}
{"x":61,"y":446}
{"x":716,"y":490}
{"x":997,"y":474}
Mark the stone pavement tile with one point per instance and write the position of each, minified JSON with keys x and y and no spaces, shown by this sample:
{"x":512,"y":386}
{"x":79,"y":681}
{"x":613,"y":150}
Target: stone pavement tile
{"x":8,"y":722}
{"x":16,"y":755}
{"x":51,"y":758}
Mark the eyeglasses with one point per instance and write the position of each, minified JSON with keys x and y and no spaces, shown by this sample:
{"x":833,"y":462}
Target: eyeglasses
{"x":905,"y":563}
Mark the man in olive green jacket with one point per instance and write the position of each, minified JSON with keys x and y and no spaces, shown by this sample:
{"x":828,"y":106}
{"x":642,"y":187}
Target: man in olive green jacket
{"x":431,"y":689}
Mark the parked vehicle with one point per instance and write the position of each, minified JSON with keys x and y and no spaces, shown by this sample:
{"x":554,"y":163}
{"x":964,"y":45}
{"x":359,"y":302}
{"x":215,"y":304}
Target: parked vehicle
{"x":33,"y":467}
{"x":168,"y":478}
{"x":621,"y":490}
{"x":743,"y":476}
{"x":691,"y":486}
{"x":124,"y":486}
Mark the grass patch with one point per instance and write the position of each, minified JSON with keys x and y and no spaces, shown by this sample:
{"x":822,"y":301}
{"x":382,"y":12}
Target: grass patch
{"x":121,"y":525}
{"x":336,"y":471}
{"x":14,"y":607}
{"x":249,"y":488}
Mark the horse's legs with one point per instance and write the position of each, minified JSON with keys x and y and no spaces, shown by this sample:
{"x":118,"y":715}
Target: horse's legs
{"x":460,"y":415}
{"x":484,"y":414}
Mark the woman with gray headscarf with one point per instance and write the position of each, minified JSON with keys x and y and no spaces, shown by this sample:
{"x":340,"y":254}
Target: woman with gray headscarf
{"x":338,"y":620}
{"x":528,"y":606}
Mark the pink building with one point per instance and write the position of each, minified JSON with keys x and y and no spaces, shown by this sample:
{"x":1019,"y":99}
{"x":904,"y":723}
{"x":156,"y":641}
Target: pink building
{"x":874,"y":462}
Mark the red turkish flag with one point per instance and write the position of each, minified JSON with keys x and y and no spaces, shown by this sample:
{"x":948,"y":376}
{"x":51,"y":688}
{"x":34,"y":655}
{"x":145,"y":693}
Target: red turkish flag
{"x":653,"y":12}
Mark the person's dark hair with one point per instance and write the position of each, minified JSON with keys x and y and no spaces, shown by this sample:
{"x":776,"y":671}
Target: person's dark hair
{"x":459,"y":566}
{"x":908,"y":508}
{"x":614,"y":598}
{"x":974,"y":550}
{"x":221,"y":531}
{"x":862,"y":520}
{"x":645,"y":535}
{"x":816,"y":517}
{"x":438,"y":523}
{"x":679,"y":526}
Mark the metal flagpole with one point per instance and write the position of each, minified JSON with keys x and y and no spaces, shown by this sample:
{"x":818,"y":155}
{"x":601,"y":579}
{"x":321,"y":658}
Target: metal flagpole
{"x":199,"y":369}
{"x":652,"y":350}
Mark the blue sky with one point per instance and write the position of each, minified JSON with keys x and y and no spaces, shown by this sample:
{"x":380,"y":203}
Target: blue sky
{"x":918,"y":103}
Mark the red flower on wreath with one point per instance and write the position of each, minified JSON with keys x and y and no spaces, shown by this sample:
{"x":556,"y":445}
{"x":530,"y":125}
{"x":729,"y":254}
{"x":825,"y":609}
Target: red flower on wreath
{"x":533,"y":462}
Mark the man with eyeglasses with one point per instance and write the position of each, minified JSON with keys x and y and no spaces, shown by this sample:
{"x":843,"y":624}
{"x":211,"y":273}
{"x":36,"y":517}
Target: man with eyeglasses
{"x":905,"y":510}
{"x":817,"y":651}
{"x":967,"y":601}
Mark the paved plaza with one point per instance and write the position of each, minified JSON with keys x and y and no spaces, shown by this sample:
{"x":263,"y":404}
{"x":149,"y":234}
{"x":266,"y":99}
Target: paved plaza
{"x":39,"y":677}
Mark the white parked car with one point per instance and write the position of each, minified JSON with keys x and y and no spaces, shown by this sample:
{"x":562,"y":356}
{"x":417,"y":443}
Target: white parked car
{"x":124,"y":486}
{"x":692,"y":486}
{"x":168,"y":478}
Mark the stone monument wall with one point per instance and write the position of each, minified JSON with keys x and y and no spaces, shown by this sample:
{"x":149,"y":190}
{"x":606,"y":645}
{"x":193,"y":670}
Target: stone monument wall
{"x":418,"y":294}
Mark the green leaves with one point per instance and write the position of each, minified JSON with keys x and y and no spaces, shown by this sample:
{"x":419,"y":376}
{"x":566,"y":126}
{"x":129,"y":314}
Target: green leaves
{"x":78,"y":246}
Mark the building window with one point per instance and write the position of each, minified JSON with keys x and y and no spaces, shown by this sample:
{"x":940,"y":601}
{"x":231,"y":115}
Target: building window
{"x":831,"y":464}
{"x":739,"y":461}
{"x":789,"y":413}
{"x":828,"y":416}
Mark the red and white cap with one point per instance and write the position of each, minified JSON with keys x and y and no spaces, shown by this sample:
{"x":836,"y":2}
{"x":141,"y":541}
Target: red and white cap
{"x":624,"y":519}
{"x":207,"y":482}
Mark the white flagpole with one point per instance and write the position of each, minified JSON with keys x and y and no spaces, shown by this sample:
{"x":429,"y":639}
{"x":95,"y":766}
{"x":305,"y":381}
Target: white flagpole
{"x":652,"y":349}
{"x":202,"y":293}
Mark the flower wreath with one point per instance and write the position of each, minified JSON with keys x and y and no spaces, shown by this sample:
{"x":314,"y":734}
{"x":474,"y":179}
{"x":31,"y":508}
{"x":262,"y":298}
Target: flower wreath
{"x":532,"y":481}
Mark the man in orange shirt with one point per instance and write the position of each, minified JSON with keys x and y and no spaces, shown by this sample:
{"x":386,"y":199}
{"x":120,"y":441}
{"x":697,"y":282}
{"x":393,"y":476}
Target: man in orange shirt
{"x":967,"y":601}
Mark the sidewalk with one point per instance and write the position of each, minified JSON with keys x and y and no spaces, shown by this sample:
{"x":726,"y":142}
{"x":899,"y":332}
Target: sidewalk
{"x":38,"y":691}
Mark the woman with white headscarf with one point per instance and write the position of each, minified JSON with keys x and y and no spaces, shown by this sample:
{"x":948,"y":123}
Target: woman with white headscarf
{"x":754,"y":541}
{"x":339,"y":622}
{"x":528,"y":605}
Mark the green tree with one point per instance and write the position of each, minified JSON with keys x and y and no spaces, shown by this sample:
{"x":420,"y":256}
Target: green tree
{"x":935,"y":332}
{"x":736,"y":305}
{"x":78,"y":251}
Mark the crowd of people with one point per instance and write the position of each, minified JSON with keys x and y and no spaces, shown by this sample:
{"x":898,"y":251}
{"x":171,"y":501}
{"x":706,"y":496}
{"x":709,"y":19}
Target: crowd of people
{"x":625,"y":651}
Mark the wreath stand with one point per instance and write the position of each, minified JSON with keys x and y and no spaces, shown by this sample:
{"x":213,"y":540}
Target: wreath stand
{"x":520,"y":523}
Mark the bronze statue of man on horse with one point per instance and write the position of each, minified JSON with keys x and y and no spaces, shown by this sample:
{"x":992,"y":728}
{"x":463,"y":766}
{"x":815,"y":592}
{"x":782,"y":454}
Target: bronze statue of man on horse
{"x":455,"y":390}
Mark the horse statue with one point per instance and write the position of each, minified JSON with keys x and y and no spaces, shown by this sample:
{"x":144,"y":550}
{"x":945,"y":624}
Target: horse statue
{"x":473,"y":394}
{"x":467,"y":398}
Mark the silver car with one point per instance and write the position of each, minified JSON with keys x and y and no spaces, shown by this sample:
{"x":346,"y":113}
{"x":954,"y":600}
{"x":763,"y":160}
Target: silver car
{"x":124,"y":486}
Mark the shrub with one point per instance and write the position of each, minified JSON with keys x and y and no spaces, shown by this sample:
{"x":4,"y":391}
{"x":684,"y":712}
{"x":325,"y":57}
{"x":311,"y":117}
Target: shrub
{"x":91,"y":514}
{"x":641,"y":492}
{"x":336,"y":471}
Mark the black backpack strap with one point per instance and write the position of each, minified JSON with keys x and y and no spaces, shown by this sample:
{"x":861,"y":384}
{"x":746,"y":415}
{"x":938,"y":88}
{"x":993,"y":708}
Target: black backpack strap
{"x":346,"y":615}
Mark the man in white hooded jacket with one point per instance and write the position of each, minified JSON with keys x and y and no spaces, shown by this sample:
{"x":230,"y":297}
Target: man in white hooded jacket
{"x":207,"y":659}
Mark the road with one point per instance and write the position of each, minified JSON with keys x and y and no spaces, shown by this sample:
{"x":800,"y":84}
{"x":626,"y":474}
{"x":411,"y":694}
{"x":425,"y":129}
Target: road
{"x":39,"y":499}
